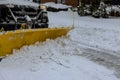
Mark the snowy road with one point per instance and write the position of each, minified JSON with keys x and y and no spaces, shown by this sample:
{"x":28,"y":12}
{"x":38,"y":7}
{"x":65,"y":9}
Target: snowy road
{"x":88,"y":52}
{"x":103,"y":58}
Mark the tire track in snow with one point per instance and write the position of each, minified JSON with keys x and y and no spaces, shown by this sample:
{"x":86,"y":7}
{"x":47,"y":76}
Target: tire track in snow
{"x":103,"y":57}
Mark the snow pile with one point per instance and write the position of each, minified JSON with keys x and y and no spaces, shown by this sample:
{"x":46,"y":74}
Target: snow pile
{"x":57,"y":6}
{"x":53,"y":59}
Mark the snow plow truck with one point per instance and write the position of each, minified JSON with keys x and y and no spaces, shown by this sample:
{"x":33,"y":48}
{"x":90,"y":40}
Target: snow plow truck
{"x":24,"y":23}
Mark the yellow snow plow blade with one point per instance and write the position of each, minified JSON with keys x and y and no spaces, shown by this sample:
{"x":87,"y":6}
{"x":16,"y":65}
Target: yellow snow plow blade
{"x":16,"y":39}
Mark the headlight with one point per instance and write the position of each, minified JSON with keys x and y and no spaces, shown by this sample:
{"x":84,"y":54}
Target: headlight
{"x":43,"y":7}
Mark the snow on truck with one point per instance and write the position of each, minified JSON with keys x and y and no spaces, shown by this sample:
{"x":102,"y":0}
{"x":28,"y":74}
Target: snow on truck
{"x":19,"y":14}
{"x":24,"y":23}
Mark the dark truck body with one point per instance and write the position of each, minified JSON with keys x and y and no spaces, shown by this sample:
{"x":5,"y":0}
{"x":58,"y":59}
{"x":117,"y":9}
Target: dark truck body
{"x":22,"y":15}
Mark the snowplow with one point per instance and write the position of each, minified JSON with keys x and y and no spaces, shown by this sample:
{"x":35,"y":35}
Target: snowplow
{"x":24,"y":23}
{"x":16,"y":39}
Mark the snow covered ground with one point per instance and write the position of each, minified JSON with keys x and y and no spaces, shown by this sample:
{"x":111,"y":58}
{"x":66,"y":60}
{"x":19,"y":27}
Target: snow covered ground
{"x":98,"y":33}
{"x":58,"y":60}
{"x":53,"y":59}
{"x":57,"y":6}
{"x":21,"y":2}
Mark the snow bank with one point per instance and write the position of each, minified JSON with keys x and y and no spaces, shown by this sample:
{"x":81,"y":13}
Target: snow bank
{"x":57,"y":6}
{"x":53,"y":59}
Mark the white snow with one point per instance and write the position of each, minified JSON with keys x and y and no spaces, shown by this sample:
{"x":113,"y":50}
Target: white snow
{"x":100,"y":33}
{"x":115,"y":8}
{"x":19,"y":2}
{"x":56,"y":5}
{"x":50,"y":60}
{"x":56,"y":59}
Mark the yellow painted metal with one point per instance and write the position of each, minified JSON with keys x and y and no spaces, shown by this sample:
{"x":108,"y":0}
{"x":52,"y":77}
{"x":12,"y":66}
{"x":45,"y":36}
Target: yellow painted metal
{"x":16,"y":39}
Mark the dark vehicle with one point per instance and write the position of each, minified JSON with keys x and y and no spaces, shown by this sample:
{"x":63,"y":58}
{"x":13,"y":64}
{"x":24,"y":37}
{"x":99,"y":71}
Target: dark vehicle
{"x":22,"y":15}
